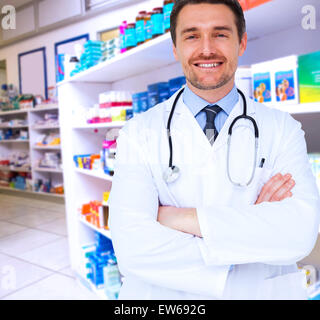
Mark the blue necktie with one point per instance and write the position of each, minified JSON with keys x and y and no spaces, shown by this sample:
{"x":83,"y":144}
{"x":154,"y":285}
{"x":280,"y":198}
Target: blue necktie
{"x":210,"y":129}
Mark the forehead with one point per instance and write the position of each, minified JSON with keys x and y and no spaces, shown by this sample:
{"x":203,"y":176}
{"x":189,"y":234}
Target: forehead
{"x":205,"y":15}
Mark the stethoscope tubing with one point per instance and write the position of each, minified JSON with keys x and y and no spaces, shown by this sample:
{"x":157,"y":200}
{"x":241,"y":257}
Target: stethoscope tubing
{"x":242,"y":116}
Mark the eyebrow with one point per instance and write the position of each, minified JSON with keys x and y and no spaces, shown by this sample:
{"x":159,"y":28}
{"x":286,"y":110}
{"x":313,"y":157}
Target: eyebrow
{"x":217,"y":28}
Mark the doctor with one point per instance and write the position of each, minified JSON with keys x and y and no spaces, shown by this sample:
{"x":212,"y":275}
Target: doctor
{"x":202,"y":236}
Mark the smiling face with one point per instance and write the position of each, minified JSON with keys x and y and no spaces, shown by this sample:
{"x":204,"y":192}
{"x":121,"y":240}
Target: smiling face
{"x":208,"y":46}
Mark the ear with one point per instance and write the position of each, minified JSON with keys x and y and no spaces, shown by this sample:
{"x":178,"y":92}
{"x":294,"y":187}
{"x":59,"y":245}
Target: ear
{"x":174,"y":50}
{"x":243,"y":44}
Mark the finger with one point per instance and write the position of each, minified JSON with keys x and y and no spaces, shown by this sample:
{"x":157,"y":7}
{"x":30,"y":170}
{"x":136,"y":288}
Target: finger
{"x":286,"y":187}
{"x":273,"y":185}
{"x":285,"y":196}
{"x":283,"y":190}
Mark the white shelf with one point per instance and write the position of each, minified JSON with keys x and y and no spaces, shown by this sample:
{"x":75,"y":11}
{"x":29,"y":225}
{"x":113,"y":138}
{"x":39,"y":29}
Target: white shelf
{"x":58,"y":147}
{"x":47,"y":170}
{"x":301,"y":108}
{"x":44,"y":127}
{"x":7,"y":168}
{"x":55,"y":195}
{"x":16,"y":190}
{"x":14,"y":141}
{"x":45,"y":107}
{"x":19,"y":111}
{"x":94,"y":173}
{"x":146,"y":57}
{"x":114,"y":124}
{"x":14,"y":127}
{"x":106,"y":233}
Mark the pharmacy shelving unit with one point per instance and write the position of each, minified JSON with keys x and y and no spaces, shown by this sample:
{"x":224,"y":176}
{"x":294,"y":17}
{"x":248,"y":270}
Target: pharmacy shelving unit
{"x":29,"y":145}
{"x":133,"y":70}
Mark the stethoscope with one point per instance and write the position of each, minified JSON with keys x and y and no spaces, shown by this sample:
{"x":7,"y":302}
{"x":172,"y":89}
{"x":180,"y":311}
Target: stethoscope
{"x":172,"y":173}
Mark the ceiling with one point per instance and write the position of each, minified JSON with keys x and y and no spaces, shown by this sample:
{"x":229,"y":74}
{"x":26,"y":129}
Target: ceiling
{"x":15,"y":3}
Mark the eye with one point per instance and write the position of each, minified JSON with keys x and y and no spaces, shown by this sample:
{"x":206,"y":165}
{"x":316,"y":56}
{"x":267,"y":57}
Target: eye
{"x":221,"y":35}
{"x":191,"y":37}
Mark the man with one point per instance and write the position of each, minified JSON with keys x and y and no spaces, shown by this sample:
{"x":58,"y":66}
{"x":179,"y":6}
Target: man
{"x":200,"y":237}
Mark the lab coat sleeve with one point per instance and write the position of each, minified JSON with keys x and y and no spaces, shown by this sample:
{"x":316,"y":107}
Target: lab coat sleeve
{"x":144,"y":248}
{"x":275,"y":233}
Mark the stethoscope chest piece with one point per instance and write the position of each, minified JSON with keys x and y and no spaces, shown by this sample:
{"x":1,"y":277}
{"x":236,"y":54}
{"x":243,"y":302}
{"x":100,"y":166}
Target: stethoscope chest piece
{"x":171,"y":174}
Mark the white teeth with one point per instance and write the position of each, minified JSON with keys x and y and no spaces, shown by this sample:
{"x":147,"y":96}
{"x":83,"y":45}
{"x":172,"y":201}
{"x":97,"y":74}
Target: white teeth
{"x":207,"y":65}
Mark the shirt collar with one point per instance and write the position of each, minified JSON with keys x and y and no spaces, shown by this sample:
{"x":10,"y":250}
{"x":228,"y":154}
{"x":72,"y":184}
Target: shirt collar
{"x":196,"y":103}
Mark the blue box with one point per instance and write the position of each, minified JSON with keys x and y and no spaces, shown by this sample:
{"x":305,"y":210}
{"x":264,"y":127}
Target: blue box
{"x":143,"y":101}
{"x":164,"y":93}
{"x":154,"y":92}
{"x":175,"y":84}
{"x":136,"y":103}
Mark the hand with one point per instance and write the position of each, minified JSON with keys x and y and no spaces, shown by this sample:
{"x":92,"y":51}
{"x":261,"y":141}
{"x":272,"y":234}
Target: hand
{"x":277,"y":188}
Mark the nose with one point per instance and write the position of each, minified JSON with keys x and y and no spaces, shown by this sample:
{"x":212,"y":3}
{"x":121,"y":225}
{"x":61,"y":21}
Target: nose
{"x":207,"y":45}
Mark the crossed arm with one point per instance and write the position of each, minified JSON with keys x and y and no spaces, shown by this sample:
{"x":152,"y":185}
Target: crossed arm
{"x":277,"y":188}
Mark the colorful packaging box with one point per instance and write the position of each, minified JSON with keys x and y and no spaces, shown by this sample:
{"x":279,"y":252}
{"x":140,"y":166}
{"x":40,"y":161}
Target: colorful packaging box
{"x":261,"y":82}
{"x":285,"y":77}
{"x":309,"y":77}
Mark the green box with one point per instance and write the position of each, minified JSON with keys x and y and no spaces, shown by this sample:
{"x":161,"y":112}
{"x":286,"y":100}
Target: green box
{"x":309,"y":77}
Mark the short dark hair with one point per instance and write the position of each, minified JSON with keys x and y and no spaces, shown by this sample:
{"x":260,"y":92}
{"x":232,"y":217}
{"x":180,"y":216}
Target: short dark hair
{"x":234,"y":5}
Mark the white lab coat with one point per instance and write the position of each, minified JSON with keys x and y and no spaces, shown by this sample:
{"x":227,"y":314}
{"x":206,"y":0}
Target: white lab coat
{"x":247,"y":251}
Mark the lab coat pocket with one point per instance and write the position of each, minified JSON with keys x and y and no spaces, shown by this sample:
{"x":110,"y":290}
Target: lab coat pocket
{"x":291,"y":286}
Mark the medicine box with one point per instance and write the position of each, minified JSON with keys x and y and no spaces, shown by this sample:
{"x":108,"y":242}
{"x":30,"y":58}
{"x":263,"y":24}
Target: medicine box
{"x":285,"y":79}
{"x":262,"y":82}
{"x":175,"y":84}
{"x":309,"y":77}
{"x":157,"y":92}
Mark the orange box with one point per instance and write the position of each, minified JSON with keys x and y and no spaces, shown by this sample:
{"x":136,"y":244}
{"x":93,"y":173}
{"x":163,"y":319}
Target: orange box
{"x":85,"y":208}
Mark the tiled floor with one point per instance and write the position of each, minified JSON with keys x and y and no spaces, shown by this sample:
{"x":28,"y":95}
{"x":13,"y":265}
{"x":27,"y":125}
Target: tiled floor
{"x":34,"y":254}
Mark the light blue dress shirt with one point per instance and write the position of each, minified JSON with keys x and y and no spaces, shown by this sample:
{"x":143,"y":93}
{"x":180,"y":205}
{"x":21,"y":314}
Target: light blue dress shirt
{"x":196,"y":104}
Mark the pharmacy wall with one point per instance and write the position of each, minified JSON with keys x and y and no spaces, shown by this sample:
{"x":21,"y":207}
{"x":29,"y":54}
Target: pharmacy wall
{"x":92,"y":26}
{"x":265,"y":43}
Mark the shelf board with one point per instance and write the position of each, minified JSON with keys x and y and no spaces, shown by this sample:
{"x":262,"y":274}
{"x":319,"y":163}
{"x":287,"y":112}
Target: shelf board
{"x":14,"y":141}
{"x":48,"y":170}
{"x":300,"y":108}
{"x":44,"y":127}
{"x":47,"y":148}
{"x":138,"y":60}
{"x":14,"y":127}
{"x":16,"y":190}
{"x":104,"y":232}
{"x":94,"y":173}
{"x":114,"y":124}
{"x":56,"y":195}
{"x":45,"y":107}
{"x":6,"y":168}
{"x":3,"y":113}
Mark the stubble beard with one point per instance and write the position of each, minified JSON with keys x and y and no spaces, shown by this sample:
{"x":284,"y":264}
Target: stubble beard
{"x":197,"y":84}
